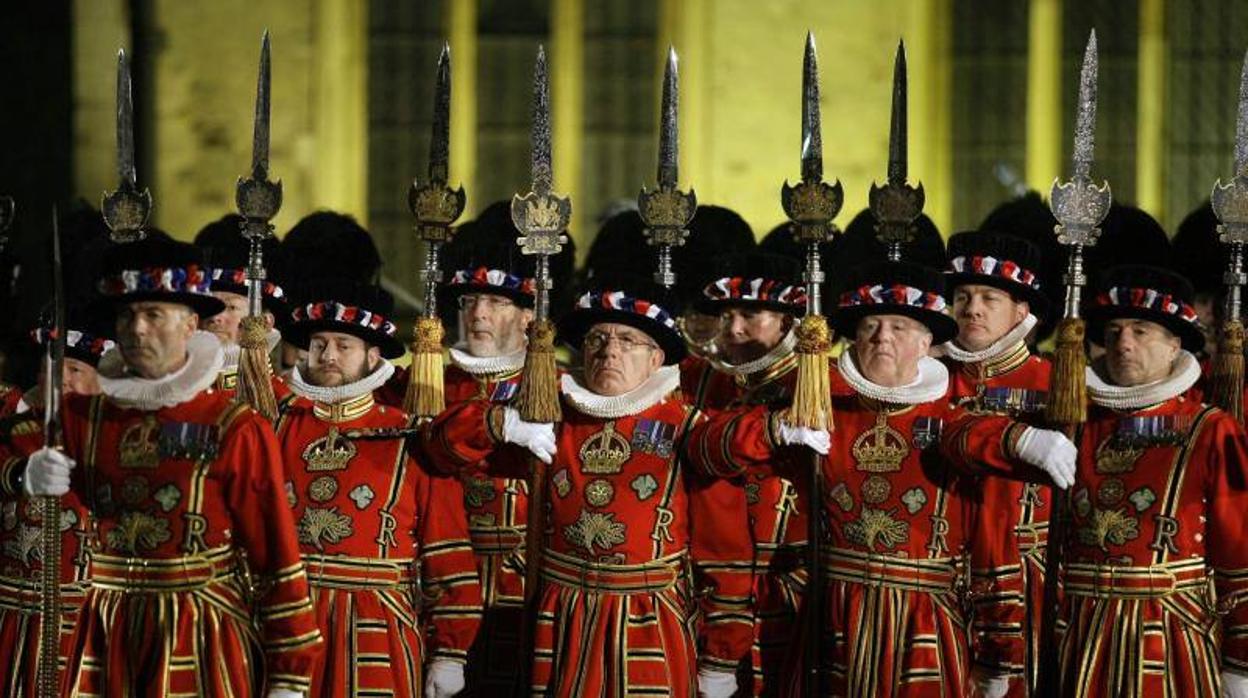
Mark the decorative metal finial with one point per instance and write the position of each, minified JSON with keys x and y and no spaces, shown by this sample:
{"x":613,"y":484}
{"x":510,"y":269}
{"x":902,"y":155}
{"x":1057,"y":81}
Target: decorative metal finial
{"x":896,"y":205}
{"x":666,"y":211}
{"x":126,"y":210}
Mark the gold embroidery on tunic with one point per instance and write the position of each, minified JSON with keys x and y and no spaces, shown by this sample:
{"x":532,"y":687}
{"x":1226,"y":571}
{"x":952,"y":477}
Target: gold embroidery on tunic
{"x":328,"y":453}
{"x":595,"y":530}
{"x":605,"y":452}
{"x":138,"y":444}
{"x":880,"y":449}
{"x":876,"y":526}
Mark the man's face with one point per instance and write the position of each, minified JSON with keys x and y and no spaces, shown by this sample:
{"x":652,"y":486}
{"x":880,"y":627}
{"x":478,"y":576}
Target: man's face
{"x":493,"y":325}
{"x":985,"y":314}
{"x":1138,"y":351}
{"x":336,"y":358}
{"x":153,"y":336}
{"x":887,"y":349}
{"x":746,"y":333}
{"x":225,"y":323}
{"x":77,"y":378}
{"x":618,"y":358}
{"x":700,"y":328}
{"x":1207,"y":312}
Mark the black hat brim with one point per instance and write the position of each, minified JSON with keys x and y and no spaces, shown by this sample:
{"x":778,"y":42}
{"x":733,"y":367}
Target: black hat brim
{"x":300,"y":335}
{"x":1037,"y":302}
{"x":845,"y":320}
{"x":202,"y":304}
{"x":1189,"y":334}
{"x":575,"y":325}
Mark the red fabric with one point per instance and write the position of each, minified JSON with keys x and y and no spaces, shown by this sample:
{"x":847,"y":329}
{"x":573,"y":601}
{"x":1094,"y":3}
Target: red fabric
{"x":387,"y":553}
{"x":1007,"y":561}
{"x":199,"y":638}
{"x":607,"y":643}
{"x":10,"y":395}
{"x":878,"y":639}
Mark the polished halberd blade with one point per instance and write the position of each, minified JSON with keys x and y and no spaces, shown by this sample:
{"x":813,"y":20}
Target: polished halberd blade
{"x":669,"y":146}
{"x":125,"y":124}
{"x":1241,"y":126}
{"x":260,"y":134}
{"x":540,"y":162}
{"x":897,"y":130}
{"x":1085,"y":118}
{"x":440,"y":140}
{"x":812,"y":138}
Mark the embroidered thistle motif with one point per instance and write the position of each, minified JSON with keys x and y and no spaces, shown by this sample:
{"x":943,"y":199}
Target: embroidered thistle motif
{"x":1142,"y":498}
{"x":168,"y":497}
{"x":478,"y":491}
{"x":320,"y":526}
{"x":595,"y":530}
{"x":877,"y":527}
{"x":914,"y":499}
{"x":137,"y":532}
{"x":645,"y":486}
{"x":362,"y":495}
{"x":1083,"y":506}
{"x":1109,"y":527}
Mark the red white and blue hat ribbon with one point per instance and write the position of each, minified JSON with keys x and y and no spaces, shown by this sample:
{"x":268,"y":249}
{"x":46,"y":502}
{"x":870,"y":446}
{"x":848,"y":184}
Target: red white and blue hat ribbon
{"x":1147,"y":299}
{"x":333,"y":311}
{"x":190,"y":279}
{"x":238,"y":277}
{"x":985,"y":265}
{"x":497,"y":278}
{"x":618,"y":300}
{"x":737,"y":288}
{"x":893,"y":294}
{"x":75,"y":339}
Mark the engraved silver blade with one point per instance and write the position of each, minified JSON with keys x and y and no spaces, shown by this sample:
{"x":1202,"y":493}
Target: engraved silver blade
{"x":812,"y":137}
{"x":1241,"y":126}
{"x":897,"y":157}
{"x":540,"y":162}
{"x":260,"y":134}
{"x":669,"y":144}
{"x":1085,"y":120}
{"x":125,"y":124}
{"x":440,"y":141}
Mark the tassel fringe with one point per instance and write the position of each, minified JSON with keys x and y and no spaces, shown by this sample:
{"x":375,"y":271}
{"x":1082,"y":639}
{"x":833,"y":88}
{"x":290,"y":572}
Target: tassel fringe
{"x":812,"y":397}
{"x":1068,"y":390}
{"x":1226,"y":381}
{"x":255,"y":376}
{"x":426,"y":393}
{"x":538,"y":397}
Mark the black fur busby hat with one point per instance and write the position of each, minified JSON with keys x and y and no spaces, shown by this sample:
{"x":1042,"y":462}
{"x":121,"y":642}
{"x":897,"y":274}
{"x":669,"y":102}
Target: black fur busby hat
{"x":754,"y":280}
{"x":894,"y":288}
{"x":1007,"y":262}
{"x":341,"y":305}
{"x":1145,"y":292}
{"x":634,"y":301}
{"x":157,"y":268}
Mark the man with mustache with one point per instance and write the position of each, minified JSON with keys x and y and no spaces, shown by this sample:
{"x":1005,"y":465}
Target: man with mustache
{"x":994,"y":281}
{"x":385,"y":542}
{"x":184,"y":491}
{"x":614,"y":613}
{"x":757,"y":298}
{"x":898,"y":521}
{"x":1156,"y":572}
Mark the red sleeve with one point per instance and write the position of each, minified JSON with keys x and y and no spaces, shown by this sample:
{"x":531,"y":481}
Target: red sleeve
{"x":723,"y":562}
{"x":1226,"y":485}
{"x":451,"y":592}
{"x":464,"y":435}
{"x":254,"y":483}
{"x":736,"y":442}
{"x":983,"y":445}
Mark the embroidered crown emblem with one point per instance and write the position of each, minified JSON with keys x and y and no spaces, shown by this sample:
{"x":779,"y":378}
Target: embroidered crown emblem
{"x":328,"y":453}
{"x":1113,"y":457}
{"x":880,"y":449}
{"x":604,"y":453}
{"x":138,"y":445}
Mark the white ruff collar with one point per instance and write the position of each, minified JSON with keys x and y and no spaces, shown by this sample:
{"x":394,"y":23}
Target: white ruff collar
{"x":639,"y":399}
{"x":486,"y":365}
{"x":932,"y":383}
{"x":764,"y":362}
{"x":1008,"y":341}
{"x":203,"y":363}
{"x":333,"y":395}
{"x":1183,"y":375}
{"x":232,"y":350}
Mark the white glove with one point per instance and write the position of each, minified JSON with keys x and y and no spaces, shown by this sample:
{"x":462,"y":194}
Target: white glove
{"x":444,"y":678}
{"x":1234,"y":685}
{"x":283,"y":693}
{"x":1051,"y":452}
{"x":47,"y":473}
{"x":817,"y":439}
{"x":716,"y":683}
{"x":992,"y":686}
{"x":538,"y":437}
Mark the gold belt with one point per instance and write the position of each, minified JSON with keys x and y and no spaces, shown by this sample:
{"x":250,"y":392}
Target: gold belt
{"x":168,"y":574}
{"x":927,"y":575}
{"x":596,"y":577}
{"x":1120,"y":581}
{"x":354,"y":573}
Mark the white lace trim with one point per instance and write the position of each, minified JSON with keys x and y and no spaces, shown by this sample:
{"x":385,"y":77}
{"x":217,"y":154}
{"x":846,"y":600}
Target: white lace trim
{"x":932,"y":383}
{"x":233,"y":351}
{"x":486,"y":365}
{"x":333,"y":395}
{"x":635,"y":401}
{"x":1183,"y":375}
{"x":204,"y":357}
{"x":764,"y":362}
{"x":1008,"y":341}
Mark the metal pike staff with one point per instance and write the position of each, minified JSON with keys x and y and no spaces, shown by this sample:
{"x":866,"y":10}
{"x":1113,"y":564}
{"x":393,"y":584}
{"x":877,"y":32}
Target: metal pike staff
{"x":1079,"y":205}
{"x":48,"y":672}
{"x":258,"y":200}
{"x":436,"y":206}
{"x":541,"y":216}
{"x":1230,"y":203}
{"x":811,"y":205}
{"x":126,"y":209}
{"x":666,"y":211}
{"x":896,"y":205}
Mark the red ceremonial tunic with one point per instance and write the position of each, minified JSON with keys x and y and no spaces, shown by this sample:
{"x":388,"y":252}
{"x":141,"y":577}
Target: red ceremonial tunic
{"x":192,"y":591}
{"x":386,"y":548}
{"x":776,"y":512}
{"x":897,"y":535}
{"x":21,"y":562}
{"x":1007,"y":562}
{"x":615,"y":611}
{"x":10,"y":395}
{"x":1155,"y":588}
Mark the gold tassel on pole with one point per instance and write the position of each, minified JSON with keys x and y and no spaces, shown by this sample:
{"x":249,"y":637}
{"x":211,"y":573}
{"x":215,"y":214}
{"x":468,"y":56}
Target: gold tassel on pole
{"x":537,"y":398}
{"x":255,"y":375}
{"x":1068,"y":391}
{"x":812,"y":396}
{"x":425,"y":390}
{"x":1226,"y":381}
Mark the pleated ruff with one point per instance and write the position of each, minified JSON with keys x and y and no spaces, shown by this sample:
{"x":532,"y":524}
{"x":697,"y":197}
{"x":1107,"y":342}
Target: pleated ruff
{"x":889,"y":642}
{"x":372,"y":643}
{"x":614,"y":645}
{"x":1118,"y":647}
{"x":166,"y":644}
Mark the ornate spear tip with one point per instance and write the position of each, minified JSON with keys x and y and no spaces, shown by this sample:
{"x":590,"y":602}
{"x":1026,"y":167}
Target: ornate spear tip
{"x":897,"y":146}
{"x":445,"y":55}
{"x":1241,"y":125}
{"x":1085,"y":119}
